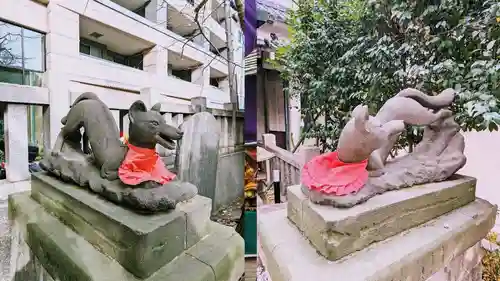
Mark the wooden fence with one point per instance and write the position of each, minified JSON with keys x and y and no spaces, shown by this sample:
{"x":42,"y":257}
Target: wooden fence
{"x":287,"y":163}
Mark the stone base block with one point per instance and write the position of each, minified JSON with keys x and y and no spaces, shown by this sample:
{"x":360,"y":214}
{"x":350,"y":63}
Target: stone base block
{"x":68,"y":255}
{"x":414,"y":254}
{"x":336,"y":232}
{"x":140,"y":243}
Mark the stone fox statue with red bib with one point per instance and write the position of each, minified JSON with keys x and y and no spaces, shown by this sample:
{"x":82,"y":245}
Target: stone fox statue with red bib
{"x":133,"y":174}
{"x":359,"y":168}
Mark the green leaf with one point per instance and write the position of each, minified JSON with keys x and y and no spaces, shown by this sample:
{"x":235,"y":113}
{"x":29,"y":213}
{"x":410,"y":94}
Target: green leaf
{"x":490,"y":45}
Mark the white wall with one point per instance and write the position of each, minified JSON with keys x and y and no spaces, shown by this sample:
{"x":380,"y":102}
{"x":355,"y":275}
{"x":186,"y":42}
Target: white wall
{"x":482,"y":150}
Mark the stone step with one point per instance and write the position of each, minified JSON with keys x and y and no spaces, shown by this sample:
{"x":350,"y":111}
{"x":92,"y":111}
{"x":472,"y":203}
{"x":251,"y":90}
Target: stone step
{"x":66,"y":256}
{"x":336,"y":232}
{"x":140,"y":243}
{"x":414,"y":254}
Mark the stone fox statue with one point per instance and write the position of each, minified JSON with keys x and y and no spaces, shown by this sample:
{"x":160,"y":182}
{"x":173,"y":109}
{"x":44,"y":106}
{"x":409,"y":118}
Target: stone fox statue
{"x":366,"y":137}
{"x":147,"y":128}
{"x":132,"y":175}
{"x":359,"y":169}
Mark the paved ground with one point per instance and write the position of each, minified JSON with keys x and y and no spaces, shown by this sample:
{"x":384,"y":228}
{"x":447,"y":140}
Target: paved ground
{"x":5,"y":190}
{"x":250,"y":269}
{"x":4,"y":240}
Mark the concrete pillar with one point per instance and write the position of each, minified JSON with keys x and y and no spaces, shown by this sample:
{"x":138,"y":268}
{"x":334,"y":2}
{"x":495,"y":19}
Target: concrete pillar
{"x":160,"y":149}
{"x":224,"y":85}
{"x":201,"y":40}
{"x":59,"y":104}
{"x":116,"y":116}
{"x":295,"y":120}
{"x":126,"y":124}
{"x":62,"y":42}
{"x":150,"y":96}
{"x":16,"y":142}
{"x":199,"y":104}
{"x":156,"y":11}
{"x":156,"y":61}
{"x":239,"y":59}
{"x":201,"y":75}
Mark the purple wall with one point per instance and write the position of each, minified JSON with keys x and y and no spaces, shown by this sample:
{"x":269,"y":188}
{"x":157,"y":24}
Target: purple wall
{"x":250,"y":132}
{"x":250,"y":26}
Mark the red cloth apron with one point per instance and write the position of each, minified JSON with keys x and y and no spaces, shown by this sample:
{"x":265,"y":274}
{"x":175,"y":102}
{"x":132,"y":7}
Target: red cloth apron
{"x":327,"y":174}
{"x":143,"y":164}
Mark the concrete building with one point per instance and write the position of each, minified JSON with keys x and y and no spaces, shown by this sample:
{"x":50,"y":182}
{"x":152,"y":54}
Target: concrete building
{"x":51,"y":51}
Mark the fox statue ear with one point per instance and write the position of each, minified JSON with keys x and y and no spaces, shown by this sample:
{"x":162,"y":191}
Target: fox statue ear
{"x":137,"y":106}
{"x":360,"y":115}
{"x":156,"y":107}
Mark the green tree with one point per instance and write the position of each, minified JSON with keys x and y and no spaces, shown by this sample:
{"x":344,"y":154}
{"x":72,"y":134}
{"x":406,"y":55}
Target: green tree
{"x":348,"y":52}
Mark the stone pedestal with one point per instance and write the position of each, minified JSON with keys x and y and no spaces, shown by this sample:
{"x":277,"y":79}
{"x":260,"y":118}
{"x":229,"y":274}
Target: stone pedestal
{"x":417,"y":233}
{"x":76,"y":235}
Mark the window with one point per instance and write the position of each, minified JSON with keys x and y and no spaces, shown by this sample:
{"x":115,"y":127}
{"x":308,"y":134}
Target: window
{"x":22,"y":55}
{"x":84,"y":49}
{"x":182,"y":74}
{"x":97,"y":50}
{"x":214,"y":82}
{"x":135,"y":61}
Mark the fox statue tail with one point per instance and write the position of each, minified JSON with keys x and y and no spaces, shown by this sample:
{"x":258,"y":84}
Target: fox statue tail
{"x":84,"y":96}
{"x":442,"y":100}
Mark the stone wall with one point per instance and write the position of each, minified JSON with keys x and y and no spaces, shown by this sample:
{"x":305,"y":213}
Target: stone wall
{"x":230,"y":179}
{"x":465,"y":267}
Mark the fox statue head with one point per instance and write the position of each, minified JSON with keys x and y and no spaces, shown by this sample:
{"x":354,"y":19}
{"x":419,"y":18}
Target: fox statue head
{"x":148,"y":127}
{"x":363,"y":134}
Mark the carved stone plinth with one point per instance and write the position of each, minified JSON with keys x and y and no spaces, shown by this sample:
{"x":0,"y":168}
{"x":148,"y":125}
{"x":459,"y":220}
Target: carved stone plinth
{"x":338,"y":232}
{"x":409,"y":234}
{"x":76,"y":235}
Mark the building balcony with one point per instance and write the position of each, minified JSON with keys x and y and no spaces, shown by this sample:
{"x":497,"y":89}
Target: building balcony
{"x":132,"y":5}
{"x":181,"y":19}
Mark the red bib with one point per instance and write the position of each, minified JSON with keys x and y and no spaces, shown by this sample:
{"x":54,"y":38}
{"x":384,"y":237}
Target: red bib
{"x":327,"y":174}
{"x":143,"y":164}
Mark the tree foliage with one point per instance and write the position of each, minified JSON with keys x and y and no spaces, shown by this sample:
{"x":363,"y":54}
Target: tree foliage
{"x":344,"y":53}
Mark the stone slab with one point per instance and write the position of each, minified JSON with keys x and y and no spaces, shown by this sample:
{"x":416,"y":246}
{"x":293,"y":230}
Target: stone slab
{"x":140,"y":243}
{"x":414,"y":254}
{"x":69,"y":257}
{"x":197,"y":153}
{"x":336,"y":232}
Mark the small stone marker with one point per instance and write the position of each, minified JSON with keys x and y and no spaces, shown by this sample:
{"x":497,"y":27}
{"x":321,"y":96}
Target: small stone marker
{"x":197,"y":153}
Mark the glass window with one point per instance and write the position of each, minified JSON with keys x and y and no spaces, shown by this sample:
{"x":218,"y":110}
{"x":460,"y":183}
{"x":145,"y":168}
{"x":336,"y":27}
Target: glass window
{"x":84,"y":49}
{"x":214,"y":82}
{"x":100,"y":51}
{"x":11,"y":50}
{"x":182,"y":74}
{"x":32,"y":78}
{"x":22,"y":55}
{"x":33,"y":50}
{"x":136,"y":61}
{"x":11,"y":75}
{"x":96,"y":52}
